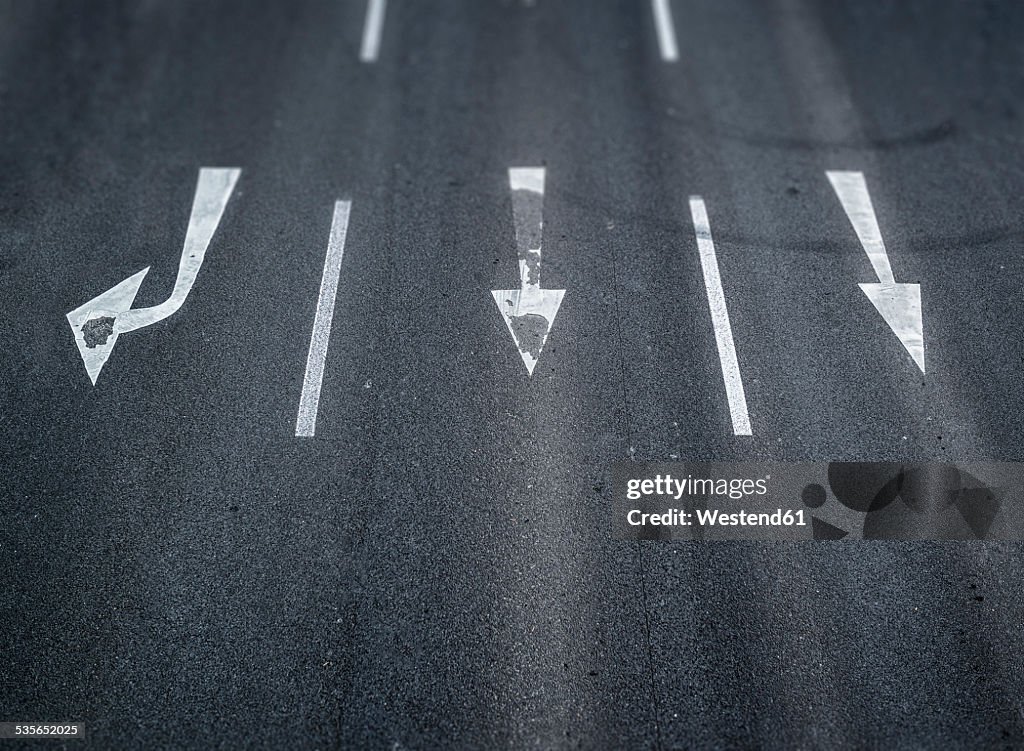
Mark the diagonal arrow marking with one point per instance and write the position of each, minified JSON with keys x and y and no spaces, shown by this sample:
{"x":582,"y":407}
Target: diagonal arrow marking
{"x":529,"y":312}
{"x":97,"y":324}
{"x":898,"y":303}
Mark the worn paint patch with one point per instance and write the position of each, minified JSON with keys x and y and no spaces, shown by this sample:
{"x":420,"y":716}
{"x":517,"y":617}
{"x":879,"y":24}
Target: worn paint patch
{"x":96,"y":331}
{"x":530,"y":332}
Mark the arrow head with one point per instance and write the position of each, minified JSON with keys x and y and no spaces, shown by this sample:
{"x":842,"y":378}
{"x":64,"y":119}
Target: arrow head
{"x":94,"y":324}
{"x":529,"y":314}
{"x":900,"y":306}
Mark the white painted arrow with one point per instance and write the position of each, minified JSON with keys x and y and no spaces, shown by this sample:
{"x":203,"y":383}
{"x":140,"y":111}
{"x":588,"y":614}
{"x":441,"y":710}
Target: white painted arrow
{"x":898,"y":303}
{"x":97,"y":324}
{"x":529,"y":311}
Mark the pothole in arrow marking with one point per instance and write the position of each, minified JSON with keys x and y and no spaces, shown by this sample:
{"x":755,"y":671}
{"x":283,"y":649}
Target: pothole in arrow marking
{"x":96,"y":331}
{"x":530,"y":330}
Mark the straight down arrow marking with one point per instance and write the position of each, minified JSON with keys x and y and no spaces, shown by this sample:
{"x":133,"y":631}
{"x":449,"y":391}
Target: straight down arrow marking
{"x":97,"y":324}
{"x":529,"y":311}
{"x":898,"y":303}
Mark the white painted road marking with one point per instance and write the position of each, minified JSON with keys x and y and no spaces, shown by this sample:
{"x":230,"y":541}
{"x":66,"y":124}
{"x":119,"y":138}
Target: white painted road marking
{"x":97,"y":324}
{"x":666,"y":30}
{"x":853,"y":194}
{"x":372,"y":28}
{"x":529,"y":311}
{"x":309,"y":402}
{"x":720,"y":318}
{"x":899,"y":304}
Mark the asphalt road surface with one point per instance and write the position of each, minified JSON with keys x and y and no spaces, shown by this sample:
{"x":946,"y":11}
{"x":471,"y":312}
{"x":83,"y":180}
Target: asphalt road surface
{"x":433,"y":567}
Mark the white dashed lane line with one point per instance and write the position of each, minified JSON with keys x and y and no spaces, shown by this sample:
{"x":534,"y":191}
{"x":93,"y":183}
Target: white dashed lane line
{"x":309,"y":403}
{"x":720,"y":318}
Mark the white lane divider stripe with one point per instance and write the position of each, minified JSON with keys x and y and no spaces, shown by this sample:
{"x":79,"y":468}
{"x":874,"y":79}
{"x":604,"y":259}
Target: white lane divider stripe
{"x":720,"y":318}
{"x":305,"y":425}
{"x":372,"y":28}
{"x":666,"y":30}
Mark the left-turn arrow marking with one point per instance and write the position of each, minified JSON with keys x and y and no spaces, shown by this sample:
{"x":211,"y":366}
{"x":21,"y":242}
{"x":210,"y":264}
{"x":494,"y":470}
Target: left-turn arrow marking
{"x":97,"y":324}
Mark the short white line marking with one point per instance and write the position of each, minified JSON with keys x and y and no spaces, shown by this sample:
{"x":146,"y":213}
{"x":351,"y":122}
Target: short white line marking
{"x":372,"y":30}
{"x":666,"y":31}
{"x":720,"y":318}
{"x":305,"y":425}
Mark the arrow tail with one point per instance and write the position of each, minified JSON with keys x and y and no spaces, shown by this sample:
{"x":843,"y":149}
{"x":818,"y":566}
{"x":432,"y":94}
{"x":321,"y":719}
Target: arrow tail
{"x":852,"y":191}
{"x":213,"y":190}
{"x":527,"y":184}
